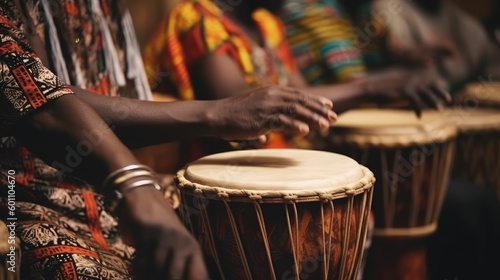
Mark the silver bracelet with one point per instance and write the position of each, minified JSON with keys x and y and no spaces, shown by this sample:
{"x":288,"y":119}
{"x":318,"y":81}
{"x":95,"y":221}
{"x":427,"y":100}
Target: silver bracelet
{"x":124,"y":169}
{"x":114,"y":198}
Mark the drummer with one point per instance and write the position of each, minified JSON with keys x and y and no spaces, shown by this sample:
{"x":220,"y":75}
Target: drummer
{"x":57,"y":61}
{"x":476,"y":58}
{"x":344,"y":48}
{"x":209,"y":51}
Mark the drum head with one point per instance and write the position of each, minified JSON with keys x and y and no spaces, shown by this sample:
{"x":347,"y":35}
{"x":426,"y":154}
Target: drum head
{"x":391,"y":128}
{"x":483,"y":94}
{"x":276,"y":173}
{"x":473,"y":119}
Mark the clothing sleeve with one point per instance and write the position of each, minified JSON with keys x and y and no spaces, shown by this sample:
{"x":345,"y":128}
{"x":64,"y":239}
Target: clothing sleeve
{"x":191,"y":31}
{"x":318,"y":35}
{"x":26,"y":84}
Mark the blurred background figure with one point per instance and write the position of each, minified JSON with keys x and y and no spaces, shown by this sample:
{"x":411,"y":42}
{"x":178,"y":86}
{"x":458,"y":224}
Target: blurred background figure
{"x":425,"y":23}
{"x":211,"y":50}
{"x":336,"y":41}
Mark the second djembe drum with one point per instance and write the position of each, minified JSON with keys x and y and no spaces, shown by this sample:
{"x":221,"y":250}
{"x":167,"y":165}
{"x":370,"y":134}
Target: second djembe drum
{"x":411,"y":159}
{"x":278,"y":214}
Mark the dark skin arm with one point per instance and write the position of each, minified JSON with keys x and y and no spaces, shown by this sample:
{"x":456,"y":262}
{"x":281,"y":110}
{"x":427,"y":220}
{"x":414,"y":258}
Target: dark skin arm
{"x":67,"y":123}
{"x":140,"y":123}
{"x":388,"y":85}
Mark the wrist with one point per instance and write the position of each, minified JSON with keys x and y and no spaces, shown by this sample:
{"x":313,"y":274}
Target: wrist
{"x":129,"y":179}
{"x":214,"y":122}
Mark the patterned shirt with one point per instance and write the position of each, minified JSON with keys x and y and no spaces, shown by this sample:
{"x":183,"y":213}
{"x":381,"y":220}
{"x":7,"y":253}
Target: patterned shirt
{"x":330,"y":46}
{"x":196,"y":28}
{"x":64,"y":229}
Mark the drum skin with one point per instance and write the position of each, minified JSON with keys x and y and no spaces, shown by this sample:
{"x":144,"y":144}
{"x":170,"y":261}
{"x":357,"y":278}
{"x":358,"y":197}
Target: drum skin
{"x":309,"y":227}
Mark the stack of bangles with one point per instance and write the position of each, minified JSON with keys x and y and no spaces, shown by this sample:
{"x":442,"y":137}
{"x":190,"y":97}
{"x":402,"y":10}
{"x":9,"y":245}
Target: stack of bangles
{"x":131,"y":177}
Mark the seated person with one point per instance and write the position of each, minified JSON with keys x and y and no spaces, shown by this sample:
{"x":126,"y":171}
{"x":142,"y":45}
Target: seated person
{"x":337,"y":41}
{"x":57,"y":61}
{"x":340,"y":40}
{"x":476,"y":58}
{"x":203,"y":51}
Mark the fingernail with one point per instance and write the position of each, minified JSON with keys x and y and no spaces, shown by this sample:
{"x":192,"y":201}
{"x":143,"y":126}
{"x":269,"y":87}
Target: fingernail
{"x":327,"y":102}
{"x":324,"y":123}
{"x":304,"y":129}
{"x":332,"y":115}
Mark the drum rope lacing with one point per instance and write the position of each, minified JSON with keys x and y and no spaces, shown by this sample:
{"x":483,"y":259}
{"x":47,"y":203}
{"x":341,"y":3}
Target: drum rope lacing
{"x":362,"y":186}
{"x":215,"y":192}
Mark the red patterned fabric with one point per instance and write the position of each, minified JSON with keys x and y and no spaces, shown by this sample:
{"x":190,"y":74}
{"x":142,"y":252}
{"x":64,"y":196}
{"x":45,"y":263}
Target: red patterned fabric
{"x":64,"y":229}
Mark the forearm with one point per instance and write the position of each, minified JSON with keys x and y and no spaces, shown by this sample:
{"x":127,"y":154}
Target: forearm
{"x":142,"y":123}
{"x":71,"y":137}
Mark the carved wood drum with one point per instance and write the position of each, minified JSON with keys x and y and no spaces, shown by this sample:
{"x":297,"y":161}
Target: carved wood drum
{"x":478,"y":145}
{"x":411,"y":159}
{"x":278,"y":214}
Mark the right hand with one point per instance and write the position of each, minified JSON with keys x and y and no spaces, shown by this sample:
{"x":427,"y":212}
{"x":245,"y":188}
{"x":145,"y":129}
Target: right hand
{"x":424,"y":55}
{"x":164,"y":248}
{"x":419,"y":88}
{"x":265,"y":109}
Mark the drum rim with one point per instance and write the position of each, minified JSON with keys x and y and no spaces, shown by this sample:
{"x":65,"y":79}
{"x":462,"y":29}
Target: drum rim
{"x":396,"y":136}
{"x":477,"y":120}
{"x":360,"y":186}
{"x":471,"y":92}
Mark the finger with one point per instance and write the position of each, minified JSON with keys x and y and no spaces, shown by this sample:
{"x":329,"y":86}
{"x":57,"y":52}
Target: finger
{"x":311,"y":118}
{"x":324,"y":111}
{"x":442,"y":93}
{"x":262,"y":139}
{"x":197,"y":269}
{"x":179,"y":267}
{"x":429,"y":96}
{"x":145,"y":259}
{"x":302,"y":96}
{"x":415,"y":102}
{"x":281,"y":122}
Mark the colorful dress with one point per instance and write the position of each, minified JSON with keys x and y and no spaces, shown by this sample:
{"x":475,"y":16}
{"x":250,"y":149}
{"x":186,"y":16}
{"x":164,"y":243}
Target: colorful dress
{"x":195,"y":29}
{"x":329,"y":46}
{"x":64,"y":229}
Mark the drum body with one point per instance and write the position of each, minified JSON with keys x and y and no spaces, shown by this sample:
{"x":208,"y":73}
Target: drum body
{"x":278,"y":214}
{"x":411,"y":159}
{"x":478,"y":145}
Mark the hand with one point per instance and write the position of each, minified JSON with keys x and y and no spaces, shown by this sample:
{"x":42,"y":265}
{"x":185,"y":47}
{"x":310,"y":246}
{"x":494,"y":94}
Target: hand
{"x":417,"y":87}
{"x":424,"y":55}
{"x":266,"y":109}
{"x":164,"y":248}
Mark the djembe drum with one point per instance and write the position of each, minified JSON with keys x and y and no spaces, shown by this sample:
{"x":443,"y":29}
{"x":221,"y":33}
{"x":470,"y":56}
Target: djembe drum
{"x":278,"y":213}
{"x":486,"y":95}
{"x":477,"y":117}
{"x":411,"y":159}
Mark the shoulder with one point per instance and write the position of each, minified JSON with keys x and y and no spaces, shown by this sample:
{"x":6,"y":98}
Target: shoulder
{"x":271,"y":26}
{"x":187,"y":14}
